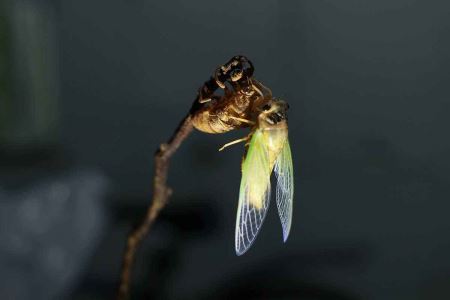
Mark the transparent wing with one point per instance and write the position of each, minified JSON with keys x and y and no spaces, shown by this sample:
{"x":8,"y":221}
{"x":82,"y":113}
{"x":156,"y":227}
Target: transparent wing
{"x":254,"y":194}
{"x":285,"y":188}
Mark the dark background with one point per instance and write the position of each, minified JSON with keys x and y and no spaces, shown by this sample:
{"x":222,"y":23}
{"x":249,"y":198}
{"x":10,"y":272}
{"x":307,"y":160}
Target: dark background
{"x":368,"y":88}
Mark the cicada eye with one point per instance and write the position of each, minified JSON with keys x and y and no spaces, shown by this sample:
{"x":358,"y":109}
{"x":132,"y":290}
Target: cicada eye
{"x":266,"y":107}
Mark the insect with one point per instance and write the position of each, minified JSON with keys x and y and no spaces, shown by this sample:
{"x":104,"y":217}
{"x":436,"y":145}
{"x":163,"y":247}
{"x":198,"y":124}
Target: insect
{"x":247,"y":103}
{"x":214,"y":113}
{"x":268,"y":150}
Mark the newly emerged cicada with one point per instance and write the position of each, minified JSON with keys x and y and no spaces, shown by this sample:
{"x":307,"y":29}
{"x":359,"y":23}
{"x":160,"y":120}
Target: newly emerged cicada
{"x":249,"y":104}
{"x":268,"y":150}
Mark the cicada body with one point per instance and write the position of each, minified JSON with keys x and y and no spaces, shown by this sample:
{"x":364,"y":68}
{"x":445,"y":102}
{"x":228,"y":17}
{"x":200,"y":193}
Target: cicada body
{"x":231,"y":111}
{"x":212,"y":113}
{"x":268,"y":151}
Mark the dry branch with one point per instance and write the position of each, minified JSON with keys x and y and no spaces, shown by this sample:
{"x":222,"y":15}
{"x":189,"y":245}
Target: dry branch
{"x":161,"y":194}
{"x":236,"y":72}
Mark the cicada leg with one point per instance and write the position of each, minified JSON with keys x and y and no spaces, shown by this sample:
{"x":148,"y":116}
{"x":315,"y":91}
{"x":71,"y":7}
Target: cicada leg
{"x":233,"y":143}
{"x":262,"y":90}
{"x":244,"y":139}
{"x":242,"y":120}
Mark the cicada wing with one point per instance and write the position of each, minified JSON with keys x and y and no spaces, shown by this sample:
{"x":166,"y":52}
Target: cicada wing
{"x":254,"y":194}
{"x":285,"y":188}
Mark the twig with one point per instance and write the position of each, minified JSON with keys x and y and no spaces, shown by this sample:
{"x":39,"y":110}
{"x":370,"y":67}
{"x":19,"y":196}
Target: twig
{"x":237,"y":66}
{"x":161,"y":194}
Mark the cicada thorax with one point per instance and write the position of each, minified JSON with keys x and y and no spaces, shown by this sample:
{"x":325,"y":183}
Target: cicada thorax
{"x":236,"y":109}
{"x":272,"y":125}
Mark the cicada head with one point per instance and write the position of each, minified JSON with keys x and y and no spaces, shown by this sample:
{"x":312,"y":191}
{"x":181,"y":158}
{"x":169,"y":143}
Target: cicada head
{"x":237,"y":71}
{"x":273,"y":114}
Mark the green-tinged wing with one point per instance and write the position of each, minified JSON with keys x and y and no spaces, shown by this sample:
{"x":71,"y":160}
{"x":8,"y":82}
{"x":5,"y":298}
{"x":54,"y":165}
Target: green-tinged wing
{"x":285,"y":188}
{"x":254,"y":194}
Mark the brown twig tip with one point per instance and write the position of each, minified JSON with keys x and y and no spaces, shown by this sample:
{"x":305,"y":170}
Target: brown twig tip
{"x":161,"y":194}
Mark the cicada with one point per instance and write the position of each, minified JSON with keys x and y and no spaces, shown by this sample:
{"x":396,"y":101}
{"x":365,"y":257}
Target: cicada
{"x":248,"y":103}
{"x":268,"y":151}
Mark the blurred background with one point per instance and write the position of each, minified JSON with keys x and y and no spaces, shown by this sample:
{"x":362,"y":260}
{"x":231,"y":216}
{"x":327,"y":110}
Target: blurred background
{"x":88,"y":90}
